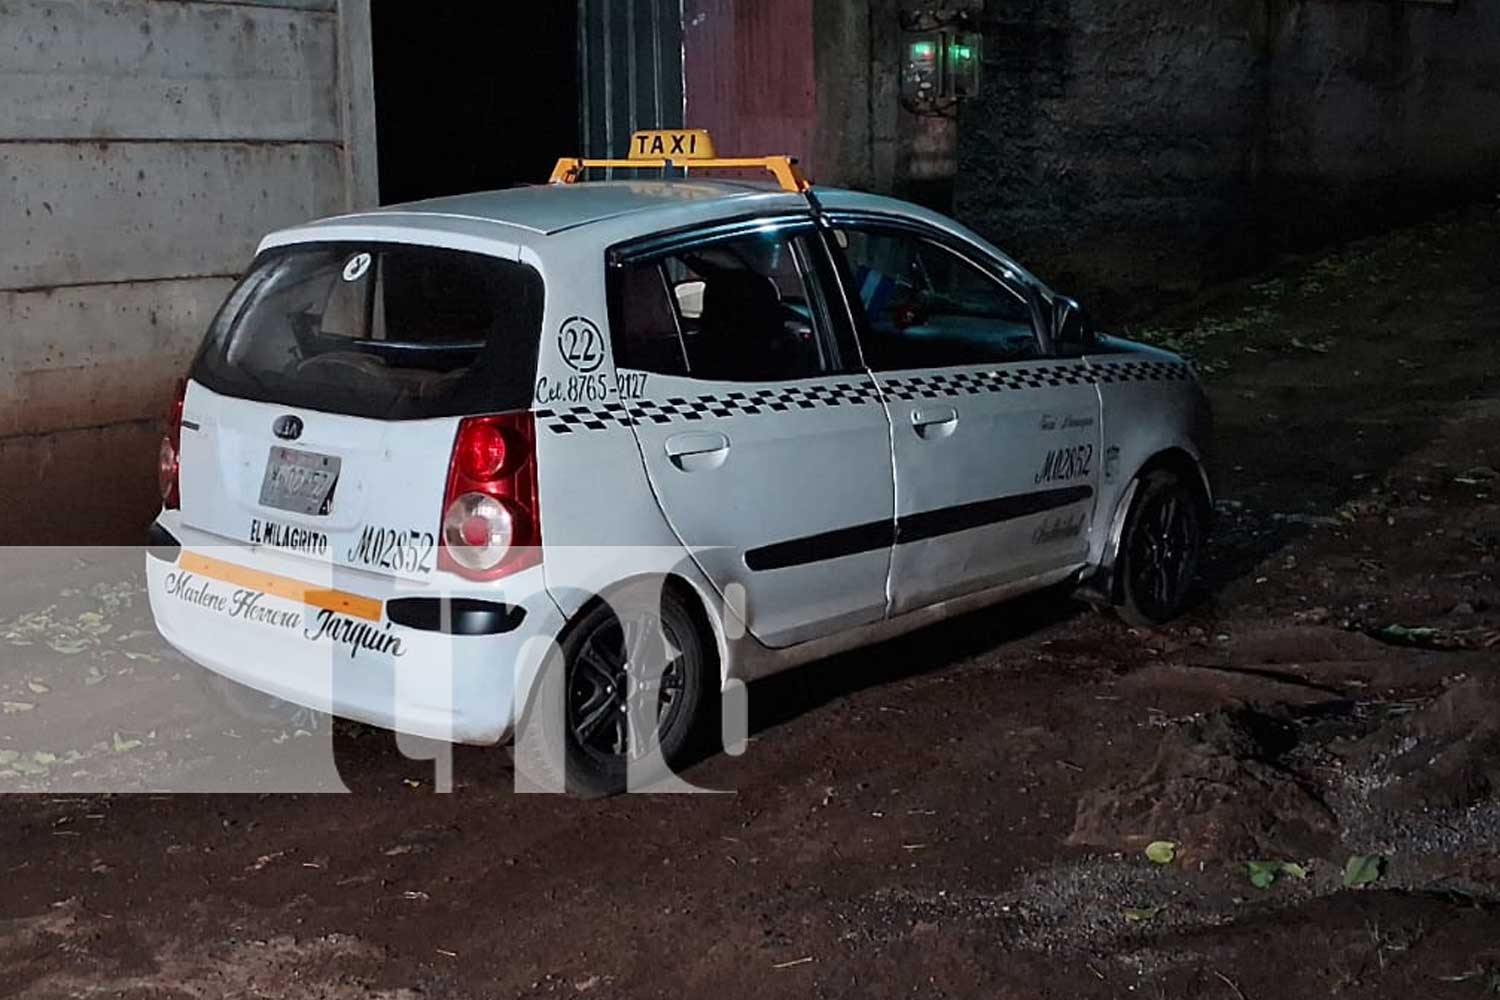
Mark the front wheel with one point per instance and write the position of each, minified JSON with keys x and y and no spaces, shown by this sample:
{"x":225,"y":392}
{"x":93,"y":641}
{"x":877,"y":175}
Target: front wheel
{"x":1159,"y":554}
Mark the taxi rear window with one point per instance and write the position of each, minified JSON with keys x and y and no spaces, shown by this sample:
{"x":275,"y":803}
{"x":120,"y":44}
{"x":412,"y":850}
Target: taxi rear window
{"x":390,"y":331}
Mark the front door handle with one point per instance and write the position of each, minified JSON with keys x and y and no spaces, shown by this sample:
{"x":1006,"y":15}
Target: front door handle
{"x":934,"y":421}
{"x":694,"y":450}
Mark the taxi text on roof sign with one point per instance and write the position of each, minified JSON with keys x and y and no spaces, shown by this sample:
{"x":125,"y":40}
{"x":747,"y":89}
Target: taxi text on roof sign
{"x":686,"y":149}
{"x":673,"y":144}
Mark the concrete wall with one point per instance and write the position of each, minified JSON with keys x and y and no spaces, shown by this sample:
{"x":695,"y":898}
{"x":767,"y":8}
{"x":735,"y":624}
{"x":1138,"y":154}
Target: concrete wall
{"x":145,"y":146}
{"x":1132,"y":150}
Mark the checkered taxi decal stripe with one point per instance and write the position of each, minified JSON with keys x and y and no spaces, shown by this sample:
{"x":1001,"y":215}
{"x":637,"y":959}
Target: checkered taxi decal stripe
{"x":676,"y":409}
{"x":969,"y":383}
{"x":1142,"y":371}
{"x":785,"y":399}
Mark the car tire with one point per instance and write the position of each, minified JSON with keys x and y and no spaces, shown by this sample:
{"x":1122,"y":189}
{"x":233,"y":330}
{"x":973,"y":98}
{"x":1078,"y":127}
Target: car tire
{"x":573,"y":735}
{"x":1159,"y":552}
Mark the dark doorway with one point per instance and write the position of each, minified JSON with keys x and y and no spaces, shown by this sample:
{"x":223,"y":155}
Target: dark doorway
{"x":473,"y":96}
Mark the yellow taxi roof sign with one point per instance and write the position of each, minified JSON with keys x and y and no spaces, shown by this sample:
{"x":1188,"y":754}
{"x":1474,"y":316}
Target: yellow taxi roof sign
{"x":685,"y":149}
{"x":672,"y":143}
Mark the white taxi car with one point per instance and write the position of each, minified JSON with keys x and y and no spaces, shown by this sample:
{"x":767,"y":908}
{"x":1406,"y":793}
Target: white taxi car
{"x":433,"y":455}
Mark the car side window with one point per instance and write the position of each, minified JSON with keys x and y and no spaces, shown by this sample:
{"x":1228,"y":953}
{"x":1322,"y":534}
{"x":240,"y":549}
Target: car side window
{"x":926,"y":306}
{"x":644,"y":328}
{"x":733,"y":311}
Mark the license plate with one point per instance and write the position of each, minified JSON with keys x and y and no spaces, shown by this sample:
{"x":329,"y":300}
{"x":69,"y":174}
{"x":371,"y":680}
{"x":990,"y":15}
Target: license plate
{"x":300,"y":481}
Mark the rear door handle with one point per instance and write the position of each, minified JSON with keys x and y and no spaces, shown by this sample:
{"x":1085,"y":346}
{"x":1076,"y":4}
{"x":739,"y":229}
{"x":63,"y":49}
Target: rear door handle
{"x":934,"y":421}
{"x":696,"y":443}
{"x":697,"y":450}
{"x":926,"y":416}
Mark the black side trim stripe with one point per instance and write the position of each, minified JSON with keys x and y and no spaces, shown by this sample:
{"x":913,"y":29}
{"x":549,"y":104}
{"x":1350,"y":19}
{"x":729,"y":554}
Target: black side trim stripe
{"x":950,"y":520}
{"x":816,"y":548}
{"x":877,"y":535}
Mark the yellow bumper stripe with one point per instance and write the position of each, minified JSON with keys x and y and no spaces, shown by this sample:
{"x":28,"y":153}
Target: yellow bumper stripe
{"x":337,"y":601}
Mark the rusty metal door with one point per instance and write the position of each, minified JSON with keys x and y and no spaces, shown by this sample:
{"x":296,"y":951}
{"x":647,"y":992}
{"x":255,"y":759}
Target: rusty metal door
{"x":750,"y":75}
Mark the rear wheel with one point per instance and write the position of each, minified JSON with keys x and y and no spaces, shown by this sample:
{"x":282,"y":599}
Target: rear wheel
{"x":625,"y":697}
{"x":1159,"y":553}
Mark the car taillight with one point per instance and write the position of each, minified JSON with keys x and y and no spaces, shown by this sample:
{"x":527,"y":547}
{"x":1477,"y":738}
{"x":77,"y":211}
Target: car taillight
{"x":492,"y":526}
{"x":168,"y":456}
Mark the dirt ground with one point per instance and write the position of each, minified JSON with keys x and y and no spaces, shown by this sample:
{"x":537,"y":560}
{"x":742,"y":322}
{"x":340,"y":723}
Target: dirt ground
{"x":962,"y":812}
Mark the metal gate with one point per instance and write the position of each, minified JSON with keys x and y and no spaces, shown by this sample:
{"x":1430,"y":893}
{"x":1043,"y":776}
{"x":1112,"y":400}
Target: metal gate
{"x":630,"y":63}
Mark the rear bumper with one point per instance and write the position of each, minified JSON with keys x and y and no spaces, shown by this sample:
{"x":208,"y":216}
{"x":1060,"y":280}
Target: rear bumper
{"x":444,"y":660}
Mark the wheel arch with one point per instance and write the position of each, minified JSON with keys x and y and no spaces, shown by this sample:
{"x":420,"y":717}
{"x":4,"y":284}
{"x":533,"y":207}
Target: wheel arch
{"x":1185,"y":466}
{"x":699,"y":599}
{"x":1180,"y":462}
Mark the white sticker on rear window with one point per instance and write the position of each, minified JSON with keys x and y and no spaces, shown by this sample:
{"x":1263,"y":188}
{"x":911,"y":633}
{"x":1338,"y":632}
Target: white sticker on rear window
{"x":356,"y":266}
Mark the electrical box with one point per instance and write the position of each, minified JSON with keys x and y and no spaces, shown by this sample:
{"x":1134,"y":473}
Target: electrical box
{"x":963,"y":63}
{"x":940,"y":68}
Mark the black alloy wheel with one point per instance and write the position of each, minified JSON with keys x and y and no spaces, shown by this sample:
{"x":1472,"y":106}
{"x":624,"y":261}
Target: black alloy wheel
{"x":637,"y":658}
{"x":1159,"y":556}
{"x":614,"y":691}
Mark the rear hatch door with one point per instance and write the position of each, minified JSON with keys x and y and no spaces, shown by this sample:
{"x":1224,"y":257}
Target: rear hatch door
{"x":322,"y":410}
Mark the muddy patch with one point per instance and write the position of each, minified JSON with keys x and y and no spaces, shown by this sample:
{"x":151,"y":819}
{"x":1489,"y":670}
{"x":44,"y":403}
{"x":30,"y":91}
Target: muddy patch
{"x":1445,"y":755}
{"x":1218,"y":786}
{"x":70,"y":952}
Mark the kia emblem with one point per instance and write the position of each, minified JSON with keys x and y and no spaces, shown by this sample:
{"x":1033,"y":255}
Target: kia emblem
{"x":288,"y":428}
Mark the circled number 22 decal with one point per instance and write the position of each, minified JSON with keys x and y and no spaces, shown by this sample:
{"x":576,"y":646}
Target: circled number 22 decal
{"x":580,"y":344}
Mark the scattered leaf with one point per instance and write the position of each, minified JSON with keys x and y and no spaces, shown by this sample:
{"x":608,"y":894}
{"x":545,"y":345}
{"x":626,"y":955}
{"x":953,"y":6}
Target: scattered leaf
{"x":1409,"y":634}
{"x":15,"y":707}
{"x":1362,"y":869}
{"x":1163,"y":852}
{"x":1263,"y":873}
{"x":1134,"y":915}
{"x":122,"y":745}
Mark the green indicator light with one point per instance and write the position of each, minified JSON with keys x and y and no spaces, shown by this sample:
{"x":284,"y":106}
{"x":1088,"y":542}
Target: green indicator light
{"x":962,"y":52}
{"x":922,"y":49}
